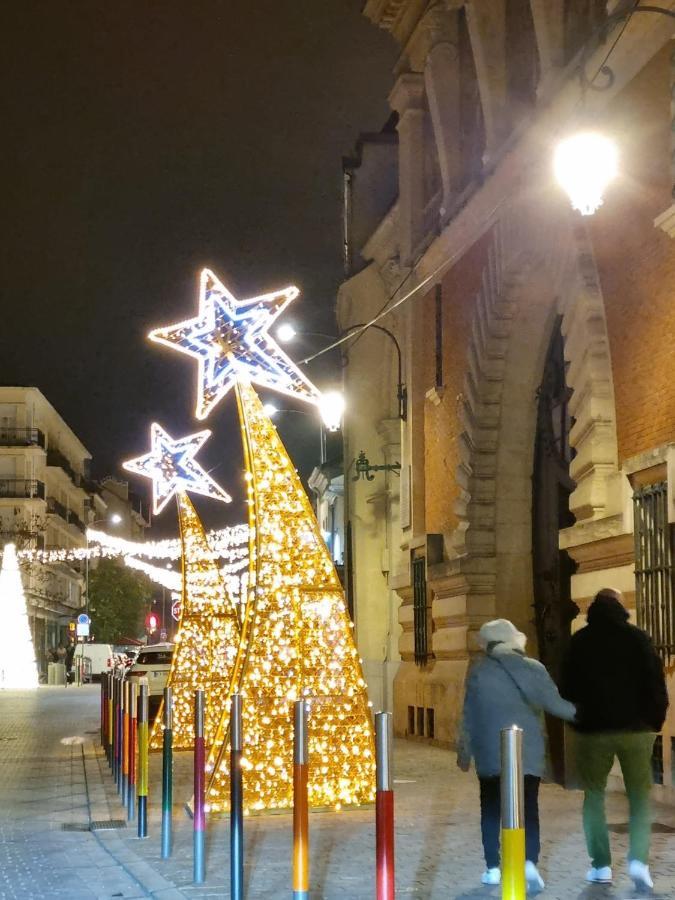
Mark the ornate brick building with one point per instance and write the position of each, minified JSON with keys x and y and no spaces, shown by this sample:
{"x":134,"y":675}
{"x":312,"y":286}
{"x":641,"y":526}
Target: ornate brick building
{"x":536,"y":442}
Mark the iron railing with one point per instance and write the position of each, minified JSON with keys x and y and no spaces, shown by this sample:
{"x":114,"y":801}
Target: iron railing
{"x":421,"y":612}
{"x":58,"y":509}
{"x":654,"y":567}
{"x":21,"y":437}
{"x":56,"y":458}
{"x":22,"y":488}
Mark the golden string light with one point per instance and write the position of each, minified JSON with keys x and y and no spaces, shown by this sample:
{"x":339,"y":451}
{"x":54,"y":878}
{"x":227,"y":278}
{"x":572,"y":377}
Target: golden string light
{"x":296,"y":643}
{"x":207,"y":639}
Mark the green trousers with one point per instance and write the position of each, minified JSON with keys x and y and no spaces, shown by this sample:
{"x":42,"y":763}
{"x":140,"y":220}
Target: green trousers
{"x":595,"y":758}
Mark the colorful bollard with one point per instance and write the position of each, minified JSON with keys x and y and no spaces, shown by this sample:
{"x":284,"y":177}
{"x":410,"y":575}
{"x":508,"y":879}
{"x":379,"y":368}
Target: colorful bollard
{"x":236,"y":801}
{"x":116,"y":729}
{"x":109,"y":747}
{"x":104,"y":709}
{"x":384,"y":808}
{"x":167,"y":774}
{"x":120,"y":748}
{"x":131,"y":790}
{"x":300,"y":803}
{"x":514,"y":886}
{"x":125,"y":742}
{"x":199,"y":821}
{"x":142,"y":734}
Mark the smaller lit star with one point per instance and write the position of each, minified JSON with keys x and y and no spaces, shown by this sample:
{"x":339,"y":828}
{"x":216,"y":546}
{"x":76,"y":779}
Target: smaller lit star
{"x":171,"y":466}
{"x":230,"y":340}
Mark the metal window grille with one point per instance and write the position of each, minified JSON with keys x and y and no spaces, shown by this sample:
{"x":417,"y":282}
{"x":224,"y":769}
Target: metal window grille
{"x":421,"y":612}
{"x":654,"y":567}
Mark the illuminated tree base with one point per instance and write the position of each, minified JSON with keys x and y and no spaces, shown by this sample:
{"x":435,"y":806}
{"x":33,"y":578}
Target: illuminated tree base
{"x":18,"y":669}
{"x":207,"y":639}
{"x":297,"y":642}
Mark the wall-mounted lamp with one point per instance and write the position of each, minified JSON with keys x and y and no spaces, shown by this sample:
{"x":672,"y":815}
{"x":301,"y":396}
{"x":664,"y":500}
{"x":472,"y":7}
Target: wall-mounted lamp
{"x":364,"y":469}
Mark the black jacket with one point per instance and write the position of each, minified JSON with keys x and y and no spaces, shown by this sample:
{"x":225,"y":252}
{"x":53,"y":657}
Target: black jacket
{"x":613,"y":675}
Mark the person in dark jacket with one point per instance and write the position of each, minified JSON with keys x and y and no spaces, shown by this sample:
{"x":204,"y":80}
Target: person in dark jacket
{"x":614,"y":677}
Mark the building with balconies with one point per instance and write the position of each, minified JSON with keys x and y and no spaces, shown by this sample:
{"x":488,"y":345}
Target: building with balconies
{"x":45,"y":497}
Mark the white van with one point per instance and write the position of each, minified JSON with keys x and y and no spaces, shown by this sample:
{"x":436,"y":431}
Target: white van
{"x":99,"y":658}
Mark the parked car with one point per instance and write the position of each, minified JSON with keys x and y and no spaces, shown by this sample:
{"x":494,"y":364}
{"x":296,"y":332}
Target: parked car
{"x":154,"y":663}
{"x":97,"y":659}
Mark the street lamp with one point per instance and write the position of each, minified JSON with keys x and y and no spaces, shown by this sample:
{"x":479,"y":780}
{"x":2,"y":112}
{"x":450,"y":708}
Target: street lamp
{"x":286,"y":333}
{"x":585,"y":163}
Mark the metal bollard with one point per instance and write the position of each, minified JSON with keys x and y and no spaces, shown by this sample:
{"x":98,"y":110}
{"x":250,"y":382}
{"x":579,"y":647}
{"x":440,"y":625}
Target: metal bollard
{"x":116,"y":729}
{"x":142,"y":726}
{"x":384,"y":807}
{"x":120,"y":751}
{"x":111,"y":686}
{"x":199,"y":821}
{"x":167,"y":774}
{"x":514,"y":886}
{"x":300,"y":804}
{"x":236,"y":801}
{"x":125,"y":742}
{"x":131,"y":790}
{"x":104,"y":709}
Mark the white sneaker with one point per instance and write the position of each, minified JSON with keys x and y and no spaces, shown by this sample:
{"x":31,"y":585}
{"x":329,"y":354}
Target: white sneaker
{"x":491,"y":876}
{"x":602,"y":875}
{"x":534,"y":880}
{"x":639,"y":872}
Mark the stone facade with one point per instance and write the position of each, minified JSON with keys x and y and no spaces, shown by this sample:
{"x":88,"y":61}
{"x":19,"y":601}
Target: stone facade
{"x":480,"y":260}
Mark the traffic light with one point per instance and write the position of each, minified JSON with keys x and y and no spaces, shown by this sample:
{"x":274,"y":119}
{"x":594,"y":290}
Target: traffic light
{"x":151,"y":622}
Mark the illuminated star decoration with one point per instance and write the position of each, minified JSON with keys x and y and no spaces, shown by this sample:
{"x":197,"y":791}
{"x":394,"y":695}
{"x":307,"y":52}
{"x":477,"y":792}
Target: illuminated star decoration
{"x":171,"y":466}
{"x":230,"y":340}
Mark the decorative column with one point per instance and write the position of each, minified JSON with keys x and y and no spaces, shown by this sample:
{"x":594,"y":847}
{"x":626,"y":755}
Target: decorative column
{"x":407,"y":98}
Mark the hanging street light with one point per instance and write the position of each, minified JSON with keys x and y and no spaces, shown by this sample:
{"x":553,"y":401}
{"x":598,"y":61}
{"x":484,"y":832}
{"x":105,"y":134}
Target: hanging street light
{"x":332,"y":407}
{"x":584,"y":165}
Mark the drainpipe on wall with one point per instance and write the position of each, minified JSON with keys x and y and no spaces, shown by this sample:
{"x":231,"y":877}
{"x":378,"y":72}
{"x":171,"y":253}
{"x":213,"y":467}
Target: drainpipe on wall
{"x":347,"y":177}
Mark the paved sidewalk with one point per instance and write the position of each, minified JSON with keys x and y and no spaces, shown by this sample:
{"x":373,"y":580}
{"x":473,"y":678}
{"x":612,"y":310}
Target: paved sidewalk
{"x":52,"y":773}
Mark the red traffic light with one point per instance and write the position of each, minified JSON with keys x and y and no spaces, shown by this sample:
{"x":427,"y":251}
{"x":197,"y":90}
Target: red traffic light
{"x":151,"y":622}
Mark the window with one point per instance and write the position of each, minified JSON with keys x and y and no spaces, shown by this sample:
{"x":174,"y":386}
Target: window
{"x":155,"y":658}
{"x":430,"y":723}
{"x":654,"y":567}
{"x":421,"y":612}
{"x":411,"y":720}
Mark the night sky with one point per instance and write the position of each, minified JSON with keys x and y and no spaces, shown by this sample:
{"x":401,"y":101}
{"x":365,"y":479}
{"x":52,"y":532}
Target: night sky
{"x":144,"y":140}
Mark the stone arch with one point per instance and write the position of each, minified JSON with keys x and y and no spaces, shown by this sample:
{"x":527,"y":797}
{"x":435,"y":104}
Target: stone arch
{"x":523,"y":290}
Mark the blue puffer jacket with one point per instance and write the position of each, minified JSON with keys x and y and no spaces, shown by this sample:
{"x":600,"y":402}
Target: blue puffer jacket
{"x":505,"y":688}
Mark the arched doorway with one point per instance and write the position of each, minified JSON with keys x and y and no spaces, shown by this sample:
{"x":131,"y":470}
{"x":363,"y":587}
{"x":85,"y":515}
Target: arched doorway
{"x":551,"y":488}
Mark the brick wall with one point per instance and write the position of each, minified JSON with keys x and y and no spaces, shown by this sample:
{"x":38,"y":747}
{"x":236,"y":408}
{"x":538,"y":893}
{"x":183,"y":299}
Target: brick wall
{"x":636,"y":263}
{"x":442,"y":422}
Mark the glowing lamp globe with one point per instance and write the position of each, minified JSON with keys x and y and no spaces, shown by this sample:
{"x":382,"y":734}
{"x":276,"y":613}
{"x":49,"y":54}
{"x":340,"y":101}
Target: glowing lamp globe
{"x":584,"y":165}
{"x":270,"y":410}
{"x":332,"y":407}
{"x":286,"y":333}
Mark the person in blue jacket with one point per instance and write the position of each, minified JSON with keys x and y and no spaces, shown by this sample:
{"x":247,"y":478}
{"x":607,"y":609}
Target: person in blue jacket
{"x":505,"y":687}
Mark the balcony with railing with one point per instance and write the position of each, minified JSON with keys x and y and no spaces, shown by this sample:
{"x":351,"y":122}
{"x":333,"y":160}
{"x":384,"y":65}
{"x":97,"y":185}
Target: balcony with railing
{"x":22,"y":489}
{"x":58,"y":509}
{"x":21,"y":437}
{"x":57,"y":459}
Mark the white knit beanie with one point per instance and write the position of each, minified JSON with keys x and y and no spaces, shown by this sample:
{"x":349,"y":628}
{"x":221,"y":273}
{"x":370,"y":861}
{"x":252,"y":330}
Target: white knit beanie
{"x":502,"y":633}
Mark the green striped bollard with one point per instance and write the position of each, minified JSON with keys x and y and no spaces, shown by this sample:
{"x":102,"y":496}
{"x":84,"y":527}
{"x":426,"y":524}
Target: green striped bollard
{"x":142,"y":785}
{"x":167,"y":774}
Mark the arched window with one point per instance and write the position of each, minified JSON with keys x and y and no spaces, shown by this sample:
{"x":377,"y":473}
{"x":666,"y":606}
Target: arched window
{"x":472,"y":128}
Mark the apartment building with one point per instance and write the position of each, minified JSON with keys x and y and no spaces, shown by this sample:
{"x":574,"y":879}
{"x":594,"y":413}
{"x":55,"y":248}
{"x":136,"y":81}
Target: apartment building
{"x":46,"y":497}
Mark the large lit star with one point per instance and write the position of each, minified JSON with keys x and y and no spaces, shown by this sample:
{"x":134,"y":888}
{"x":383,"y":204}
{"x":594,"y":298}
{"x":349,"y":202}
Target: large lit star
{"x":230,"y":340}
{"x":171,"y":466}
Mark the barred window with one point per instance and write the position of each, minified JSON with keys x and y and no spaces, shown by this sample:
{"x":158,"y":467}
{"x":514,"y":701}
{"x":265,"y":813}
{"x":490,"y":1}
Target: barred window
{"x":421,"y":612}
{"x":654,"y":567}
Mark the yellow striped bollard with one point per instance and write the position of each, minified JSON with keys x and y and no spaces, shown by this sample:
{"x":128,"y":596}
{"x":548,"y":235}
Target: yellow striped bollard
{"x":514,"y":886}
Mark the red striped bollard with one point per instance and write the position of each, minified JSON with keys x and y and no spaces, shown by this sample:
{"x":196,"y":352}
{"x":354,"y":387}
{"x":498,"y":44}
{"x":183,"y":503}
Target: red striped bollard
{"x":198,"y":869}
{"x":300,"y":803}
{"x":109,"y":748}
{"x":125,"y":743}
{"x":104,"y":710}
{"x":384,"y":808}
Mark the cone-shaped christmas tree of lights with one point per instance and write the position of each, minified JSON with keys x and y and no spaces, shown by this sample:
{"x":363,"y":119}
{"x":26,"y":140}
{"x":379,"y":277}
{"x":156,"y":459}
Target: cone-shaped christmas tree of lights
{"x":18,"y":669}
{"x":296,"y":643}
{"x":207,"y":640}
